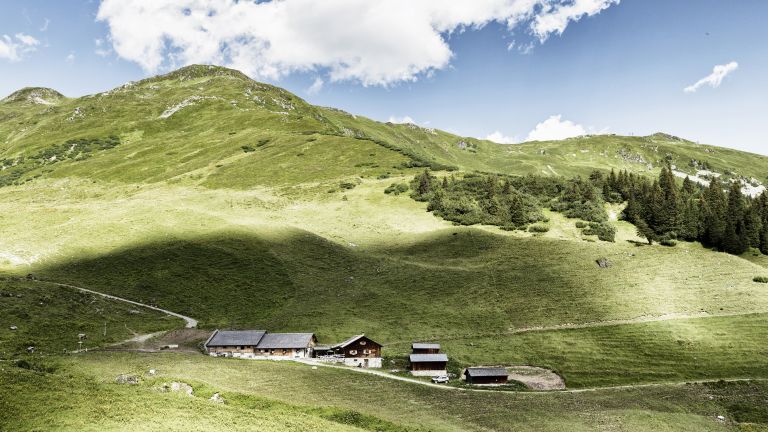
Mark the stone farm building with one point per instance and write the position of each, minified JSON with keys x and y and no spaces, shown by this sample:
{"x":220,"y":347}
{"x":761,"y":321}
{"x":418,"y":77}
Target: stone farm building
{"x":260,"y":344}
{"x":486,"y":375}
{"x":358,"y":351}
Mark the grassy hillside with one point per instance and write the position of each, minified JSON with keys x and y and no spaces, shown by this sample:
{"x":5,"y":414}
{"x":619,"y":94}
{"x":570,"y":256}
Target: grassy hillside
{"x":241,"y":205}
{"x":212,"y":126}
{"x":50,"y":318}
{"x":282,"y":396}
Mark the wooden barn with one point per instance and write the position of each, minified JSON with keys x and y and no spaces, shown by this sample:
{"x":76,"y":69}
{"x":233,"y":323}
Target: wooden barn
{"x":486,"y":375}
{"x":358,"y":351}
{"x":260,"y":344}
{"x":428,"y":364}
{"x":425,"y":348}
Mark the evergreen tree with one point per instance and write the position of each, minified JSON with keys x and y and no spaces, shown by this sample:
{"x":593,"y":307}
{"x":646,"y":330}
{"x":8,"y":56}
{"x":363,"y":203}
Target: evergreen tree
{"x":712,"y":213}
{"x":645,"y":231}
{"x":666,"y":220}
{"x":425,"y":183}
{"x":735,"y":239}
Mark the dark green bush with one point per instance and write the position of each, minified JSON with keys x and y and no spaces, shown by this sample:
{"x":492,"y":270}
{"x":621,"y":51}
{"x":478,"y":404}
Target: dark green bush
{"x":761,"y":279}
{"x":248,"y":149}
{"x":538,"y":228}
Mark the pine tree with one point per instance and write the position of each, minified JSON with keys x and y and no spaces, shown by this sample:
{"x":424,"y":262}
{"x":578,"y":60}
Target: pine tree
{"x":425,"y":183}
{"x":712,"y":212}
{"x":667,"y":217}
{"x":645,"y":231}
{"x":762,"y":204}
{"x":735,"y":239}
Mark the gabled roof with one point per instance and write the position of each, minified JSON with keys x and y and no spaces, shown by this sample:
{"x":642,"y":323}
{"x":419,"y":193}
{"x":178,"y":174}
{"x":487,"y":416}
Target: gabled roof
{"x":427,"y":358}
{"x":235,"y":338}
{"x":352,"y":340}
{"x":425,"y":345}
{"x":486,"y":371}
{"x":285,"y":340}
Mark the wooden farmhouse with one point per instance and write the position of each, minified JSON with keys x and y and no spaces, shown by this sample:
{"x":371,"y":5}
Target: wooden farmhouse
{"x":260,"y":344}
{"x":486,"y":375}
{"x":357,"y":351}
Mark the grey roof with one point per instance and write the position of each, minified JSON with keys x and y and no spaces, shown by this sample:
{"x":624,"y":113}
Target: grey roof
{"x":486,"y":371}
{"x":425,"y":345}
{"x":285,"y":340}
{"x":424,"y":358}
{"x":235,"y":337}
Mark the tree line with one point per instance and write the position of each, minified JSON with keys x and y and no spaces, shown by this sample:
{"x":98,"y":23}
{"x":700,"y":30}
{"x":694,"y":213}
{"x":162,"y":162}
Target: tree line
{"x":663,"y":210}
{"x":718,"y":215}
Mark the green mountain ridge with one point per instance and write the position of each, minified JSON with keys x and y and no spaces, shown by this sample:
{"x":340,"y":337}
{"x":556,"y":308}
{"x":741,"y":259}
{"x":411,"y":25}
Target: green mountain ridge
{"x":193,"y":124}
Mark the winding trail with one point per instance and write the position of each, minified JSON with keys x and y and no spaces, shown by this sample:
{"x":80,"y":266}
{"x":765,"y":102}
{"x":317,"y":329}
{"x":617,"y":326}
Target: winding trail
{"x":190,"y":322}
{"x":540,"y":392}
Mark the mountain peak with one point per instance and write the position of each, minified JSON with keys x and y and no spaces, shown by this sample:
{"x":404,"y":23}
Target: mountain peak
{"x":35,"y":95}
{"x":201,"y":71}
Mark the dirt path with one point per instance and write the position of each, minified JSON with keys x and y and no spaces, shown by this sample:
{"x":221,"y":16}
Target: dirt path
{"x":581,"y":390}
{"x":591,"y":324}
{"x":190,"y":322}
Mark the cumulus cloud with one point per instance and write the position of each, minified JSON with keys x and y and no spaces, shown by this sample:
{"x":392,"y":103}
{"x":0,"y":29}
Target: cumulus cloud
{"x":500,"y":138}
{"x":401,"y":120}
{"x":554,"y":128}
{"x":715,"y":78}
{"x":16,"y":47}
{"x":371,"y":42}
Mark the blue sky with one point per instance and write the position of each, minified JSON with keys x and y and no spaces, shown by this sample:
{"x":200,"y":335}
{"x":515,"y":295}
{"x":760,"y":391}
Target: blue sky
{"x":618,"y":67}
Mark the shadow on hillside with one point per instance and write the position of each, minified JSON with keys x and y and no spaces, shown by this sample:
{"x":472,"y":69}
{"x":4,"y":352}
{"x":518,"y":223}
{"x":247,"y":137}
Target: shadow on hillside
{"x":444,"y":285}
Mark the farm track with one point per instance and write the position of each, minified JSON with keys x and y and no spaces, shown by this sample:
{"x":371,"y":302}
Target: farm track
{"x":190,"y":322}
{"x":579,"y":390}
{"x":593,"y":324}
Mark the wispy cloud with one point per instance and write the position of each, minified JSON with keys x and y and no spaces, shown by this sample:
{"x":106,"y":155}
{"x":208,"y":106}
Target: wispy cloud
{"x":316,"y":86}
{"x":16,"y":47}
{"x":70,"y":57}
{"x":715,"y":78}
{"x":45,"y":25}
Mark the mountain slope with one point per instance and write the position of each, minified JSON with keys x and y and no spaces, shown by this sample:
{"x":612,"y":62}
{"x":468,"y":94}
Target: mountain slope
{"x":211,"y":126}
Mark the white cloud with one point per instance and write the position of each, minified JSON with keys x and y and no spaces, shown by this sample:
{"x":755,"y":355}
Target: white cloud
{"x":70,"y":58}
{"x":14,"y":48}
{"x":500,"y":138}
{"x":45,"y":25}
{"x":371,"y":42}
{"x":554,"y":128}
{"x":557,"y":15}
{"x":715,"y":78}
{"x":316,"y":86}
{"x":401,"y":120}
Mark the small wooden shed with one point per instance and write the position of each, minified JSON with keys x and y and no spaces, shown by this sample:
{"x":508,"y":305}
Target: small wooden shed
{"x":428,"y":364}
{"x":486,"y":375}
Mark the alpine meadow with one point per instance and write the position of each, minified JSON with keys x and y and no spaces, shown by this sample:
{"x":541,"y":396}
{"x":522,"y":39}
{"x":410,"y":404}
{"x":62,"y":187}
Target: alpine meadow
{"x":198,"y":249}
